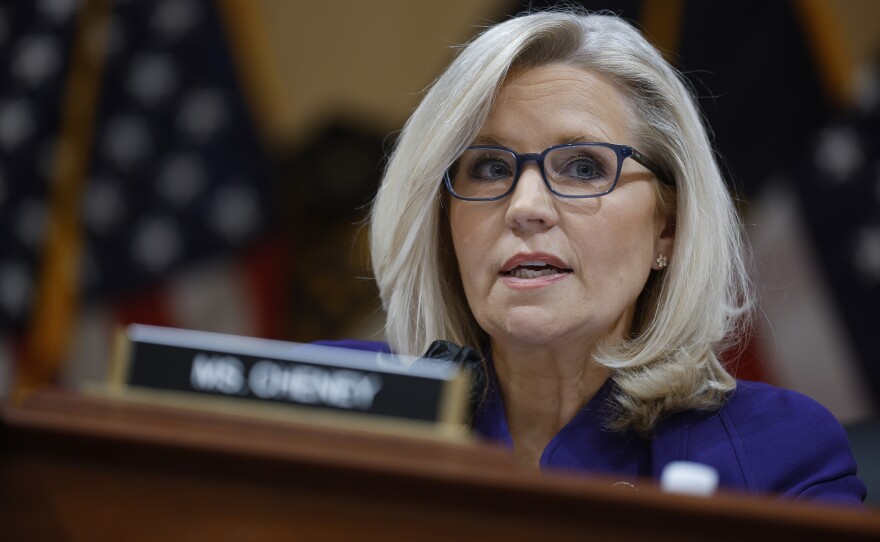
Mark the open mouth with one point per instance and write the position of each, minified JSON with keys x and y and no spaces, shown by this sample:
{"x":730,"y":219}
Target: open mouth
{"x":533,"y":270}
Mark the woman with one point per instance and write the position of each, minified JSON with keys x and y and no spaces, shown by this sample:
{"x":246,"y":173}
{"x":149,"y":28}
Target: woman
{"x":554,"y":203}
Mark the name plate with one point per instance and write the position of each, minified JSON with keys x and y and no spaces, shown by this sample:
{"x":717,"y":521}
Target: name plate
{"x":306,"y":378}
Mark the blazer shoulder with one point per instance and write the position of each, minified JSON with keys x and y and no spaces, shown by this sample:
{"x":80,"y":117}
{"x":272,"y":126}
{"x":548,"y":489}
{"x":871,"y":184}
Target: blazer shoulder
{"x":786,"y":443}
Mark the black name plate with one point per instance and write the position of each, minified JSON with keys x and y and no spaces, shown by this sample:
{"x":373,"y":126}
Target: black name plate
{"x":261,"y":372}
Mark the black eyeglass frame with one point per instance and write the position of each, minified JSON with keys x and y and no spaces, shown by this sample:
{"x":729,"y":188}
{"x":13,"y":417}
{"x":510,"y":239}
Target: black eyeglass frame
{"x":623,"y":152}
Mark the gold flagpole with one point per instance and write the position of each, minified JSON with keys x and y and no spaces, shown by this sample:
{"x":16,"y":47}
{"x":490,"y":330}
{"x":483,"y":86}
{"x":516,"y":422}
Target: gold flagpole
{"x":257,"y":64}
{"x":57,"y":292}
{"x":661,"y":21}
{"x":835,"y":60}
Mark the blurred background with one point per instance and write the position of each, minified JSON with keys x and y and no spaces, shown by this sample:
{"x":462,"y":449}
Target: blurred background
{"x":208,"y":165}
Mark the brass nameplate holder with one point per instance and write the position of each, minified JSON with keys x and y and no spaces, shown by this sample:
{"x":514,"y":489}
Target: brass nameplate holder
{"x":312,"y":383}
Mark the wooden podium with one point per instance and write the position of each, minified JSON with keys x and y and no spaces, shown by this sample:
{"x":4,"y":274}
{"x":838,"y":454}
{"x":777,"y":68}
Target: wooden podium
{"x":87,"y":468}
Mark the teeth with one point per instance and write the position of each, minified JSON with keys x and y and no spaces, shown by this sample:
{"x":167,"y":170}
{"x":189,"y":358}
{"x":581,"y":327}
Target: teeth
{"x":522,"y":273}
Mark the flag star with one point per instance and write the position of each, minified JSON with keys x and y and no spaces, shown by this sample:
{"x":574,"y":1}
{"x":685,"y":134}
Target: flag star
{"x":173,"y":18}
{"x":867,"y":253}
{"x":235,"y":212}
{"x":103,"y":208}
{"x":181,"y":178}
{"x":839,"y":153}
{"x":156,"y":243}
{"x":37,"y":58}
{"x":126,"y":140}
{"x":152,"y":78}
{"x":15,"y":288}
{"x":58,"y":11}
{"x":203,"y":113}
{"x":16,"y":124}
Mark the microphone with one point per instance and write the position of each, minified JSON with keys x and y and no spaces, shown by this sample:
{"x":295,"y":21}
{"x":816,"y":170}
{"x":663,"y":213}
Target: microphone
{"x":465,"y":358}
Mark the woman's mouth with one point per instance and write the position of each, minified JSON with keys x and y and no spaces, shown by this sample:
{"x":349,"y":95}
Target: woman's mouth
{"x":534,"y":270}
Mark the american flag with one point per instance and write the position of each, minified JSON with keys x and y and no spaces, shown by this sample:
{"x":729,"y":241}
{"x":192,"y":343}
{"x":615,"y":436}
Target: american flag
{"x":172,"y":210}
{"x":831,"y":200}
{"x":34,"y":39}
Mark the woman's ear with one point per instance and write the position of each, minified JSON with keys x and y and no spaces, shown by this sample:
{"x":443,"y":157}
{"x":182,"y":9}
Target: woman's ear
{"x":663,"y":242}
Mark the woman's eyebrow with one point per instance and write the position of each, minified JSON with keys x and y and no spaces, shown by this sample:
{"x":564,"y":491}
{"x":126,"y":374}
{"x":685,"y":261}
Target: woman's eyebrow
{"x":491,"y":139}
{"x":487,"y":139}
{"x":582,"y":138}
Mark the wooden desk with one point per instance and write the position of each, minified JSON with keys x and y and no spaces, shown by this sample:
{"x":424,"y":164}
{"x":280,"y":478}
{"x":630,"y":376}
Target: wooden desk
{"x":84,"y":468}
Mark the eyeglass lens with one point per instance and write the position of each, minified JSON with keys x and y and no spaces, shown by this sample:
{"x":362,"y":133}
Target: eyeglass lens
{"x":581,"y":170}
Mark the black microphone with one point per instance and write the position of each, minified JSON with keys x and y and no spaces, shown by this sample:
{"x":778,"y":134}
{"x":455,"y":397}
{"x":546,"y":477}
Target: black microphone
{"x":463,"y":357}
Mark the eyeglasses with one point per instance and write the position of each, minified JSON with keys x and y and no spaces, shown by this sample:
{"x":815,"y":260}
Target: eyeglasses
{"x":570,"y":170}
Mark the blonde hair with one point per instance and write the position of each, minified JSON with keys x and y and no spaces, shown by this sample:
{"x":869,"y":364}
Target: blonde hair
{"x":670,"y":363}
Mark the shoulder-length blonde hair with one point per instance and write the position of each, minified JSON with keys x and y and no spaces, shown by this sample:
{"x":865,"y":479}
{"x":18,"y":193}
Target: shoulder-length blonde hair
{"x":687,"y":312}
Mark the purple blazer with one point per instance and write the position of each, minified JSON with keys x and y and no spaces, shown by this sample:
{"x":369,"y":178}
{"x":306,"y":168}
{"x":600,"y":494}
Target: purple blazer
{"x":763,"y":440}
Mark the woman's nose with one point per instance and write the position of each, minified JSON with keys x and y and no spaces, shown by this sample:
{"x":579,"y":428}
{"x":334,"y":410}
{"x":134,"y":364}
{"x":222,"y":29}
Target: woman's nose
{"x":531,"y":206}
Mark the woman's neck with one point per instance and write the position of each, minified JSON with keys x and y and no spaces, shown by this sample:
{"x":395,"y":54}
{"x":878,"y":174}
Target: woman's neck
{"x":543,"y":389}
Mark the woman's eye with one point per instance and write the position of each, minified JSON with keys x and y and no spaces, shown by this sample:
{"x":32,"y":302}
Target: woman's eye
{"x":582,"y":168}
{"x":490,"y":170}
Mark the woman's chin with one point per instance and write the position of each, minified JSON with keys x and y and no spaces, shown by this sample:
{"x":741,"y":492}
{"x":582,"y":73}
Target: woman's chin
{"x":530,"y":329}
{"x":525,"y":327}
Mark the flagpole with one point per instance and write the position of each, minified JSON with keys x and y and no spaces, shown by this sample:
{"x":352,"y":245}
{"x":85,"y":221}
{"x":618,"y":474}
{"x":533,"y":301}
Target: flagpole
{"x":835,"y":60}
{"x":57,"y":294}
